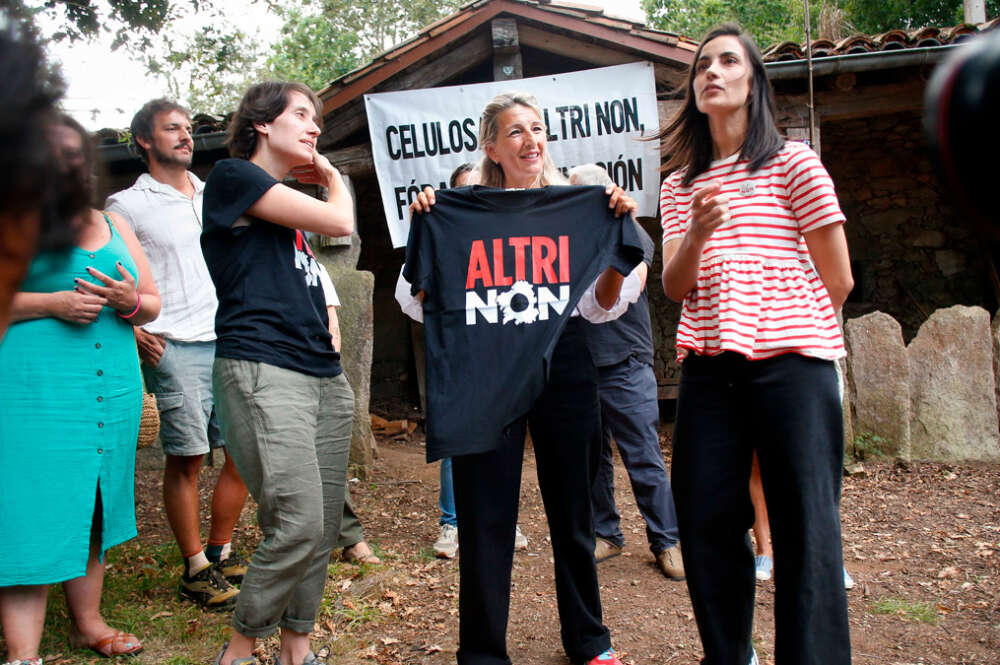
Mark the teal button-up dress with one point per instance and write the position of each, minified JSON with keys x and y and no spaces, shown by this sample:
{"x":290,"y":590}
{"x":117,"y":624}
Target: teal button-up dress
{"x":70,"y":403}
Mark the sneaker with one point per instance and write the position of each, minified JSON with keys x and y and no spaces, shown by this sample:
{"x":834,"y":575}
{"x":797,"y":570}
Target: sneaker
{"x":233,"y":568}
{"x":604,"y":549}
{"x":763,"y":566}
{"x":446,"y":546}
{"x":606,"y":658}
{"x":753,"y":657}
{"x":520,"y":540}
{"x":848,"y":580}
{"x":208,"y":588}
{"x":24,"y":661}
{"x":670,"y":563}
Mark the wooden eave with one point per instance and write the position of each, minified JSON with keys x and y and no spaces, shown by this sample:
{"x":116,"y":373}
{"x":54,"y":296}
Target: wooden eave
{"x":618,"y":34}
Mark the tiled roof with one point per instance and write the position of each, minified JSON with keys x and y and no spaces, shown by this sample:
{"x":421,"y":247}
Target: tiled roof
{"x":558,"y":9}
{"x":893,"y":40}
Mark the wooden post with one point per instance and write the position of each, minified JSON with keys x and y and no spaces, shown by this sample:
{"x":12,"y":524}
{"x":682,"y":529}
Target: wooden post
{"x":506,"y":50}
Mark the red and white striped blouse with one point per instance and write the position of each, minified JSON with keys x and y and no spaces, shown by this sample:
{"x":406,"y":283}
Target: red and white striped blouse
{"x":757,"y":291}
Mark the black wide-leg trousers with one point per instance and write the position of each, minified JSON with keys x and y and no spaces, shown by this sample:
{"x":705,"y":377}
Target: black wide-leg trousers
{"x":787,"y":408}
{"x":565,"y":432}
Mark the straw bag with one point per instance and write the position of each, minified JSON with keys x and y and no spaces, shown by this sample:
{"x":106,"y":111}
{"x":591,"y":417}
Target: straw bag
{"x":149,"y":424}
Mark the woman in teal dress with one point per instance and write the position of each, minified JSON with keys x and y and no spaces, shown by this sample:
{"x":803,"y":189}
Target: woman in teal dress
{"x":70,"y":401}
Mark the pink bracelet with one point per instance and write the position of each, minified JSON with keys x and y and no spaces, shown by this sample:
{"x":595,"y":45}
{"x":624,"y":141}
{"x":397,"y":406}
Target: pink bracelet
{"x":138,"y":304}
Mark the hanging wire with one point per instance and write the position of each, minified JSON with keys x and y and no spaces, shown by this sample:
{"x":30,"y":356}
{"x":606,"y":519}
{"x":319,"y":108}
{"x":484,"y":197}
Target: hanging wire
{"x":809,"y":60}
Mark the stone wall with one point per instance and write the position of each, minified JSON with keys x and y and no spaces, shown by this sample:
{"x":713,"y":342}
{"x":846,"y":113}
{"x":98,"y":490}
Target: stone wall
{"x":664,"y":313}
{"x":911,"y":250}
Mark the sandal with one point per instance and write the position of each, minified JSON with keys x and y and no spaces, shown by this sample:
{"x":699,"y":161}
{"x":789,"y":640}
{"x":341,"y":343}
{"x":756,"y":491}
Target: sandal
{"x":116,"y":643}
{"x":360,"y":552}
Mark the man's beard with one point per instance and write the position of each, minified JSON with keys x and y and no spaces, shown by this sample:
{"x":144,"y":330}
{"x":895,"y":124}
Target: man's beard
{"x":166,"y":159}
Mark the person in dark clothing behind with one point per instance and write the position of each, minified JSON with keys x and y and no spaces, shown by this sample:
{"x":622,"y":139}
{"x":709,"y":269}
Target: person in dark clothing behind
{"x":623,"y":353}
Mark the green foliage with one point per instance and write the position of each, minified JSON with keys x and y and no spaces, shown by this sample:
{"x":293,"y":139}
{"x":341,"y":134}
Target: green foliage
{"x":325,"y":39}
{"x":774,"y":21}
{"x":209,"y":70}
{"x":313,"y":49}
{"x":87,"y":19}
{"x":919,"y":611}
{"x":868,"y":446}
{"x":769,"y":21}
{"x":875,"y":16}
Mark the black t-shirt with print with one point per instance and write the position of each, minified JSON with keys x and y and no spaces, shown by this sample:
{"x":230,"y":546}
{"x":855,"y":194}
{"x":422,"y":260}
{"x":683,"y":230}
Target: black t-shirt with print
{"x":271,"y":303}
{"x":502,"y":272}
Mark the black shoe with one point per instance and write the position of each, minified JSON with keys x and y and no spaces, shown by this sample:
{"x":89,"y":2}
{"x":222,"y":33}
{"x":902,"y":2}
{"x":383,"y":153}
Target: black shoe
{"x":208,"y":588}
{"x":233,"y":568}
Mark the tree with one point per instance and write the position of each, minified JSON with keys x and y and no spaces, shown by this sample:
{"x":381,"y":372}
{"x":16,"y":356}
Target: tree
{"x":768,"y":21}
{"x":209,"y":70}
{"x":313,"y":50}
{"x":329,"y":38}
{"x":86,"y":19}
{"x":875,"y":16}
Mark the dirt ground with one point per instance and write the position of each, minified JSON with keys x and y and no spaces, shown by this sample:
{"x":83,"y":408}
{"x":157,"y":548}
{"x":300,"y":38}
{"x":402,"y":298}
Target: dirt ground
{"x":922,"y":542}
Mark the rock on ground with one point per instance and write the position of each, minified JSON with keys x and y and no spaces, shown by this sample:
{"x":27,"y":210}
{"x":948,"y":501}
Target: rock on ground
{"x":879,"y":378}
{"x":952,"y":387}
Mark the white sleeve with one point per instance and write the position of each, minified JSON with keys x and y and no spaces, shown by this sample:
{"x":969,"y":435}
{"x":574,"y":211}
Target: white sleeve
{"x":117,"y":206}
{"x":329,"y":292}
{"x":591,"y":310}
{"x":408,"y":302}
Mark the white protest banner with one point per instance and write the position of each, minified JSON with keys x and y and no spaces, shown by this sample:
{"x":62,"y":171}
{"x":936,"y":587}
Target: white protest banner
{"x":593,"y":116}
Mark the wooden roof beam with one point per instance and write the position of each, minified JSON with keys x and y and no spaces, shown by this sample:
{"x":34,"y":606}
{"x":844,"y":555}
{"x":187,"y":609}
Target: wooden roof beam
{"x":596,"y":54}
{"x":350,"y":118}
{"x":507,"y":63}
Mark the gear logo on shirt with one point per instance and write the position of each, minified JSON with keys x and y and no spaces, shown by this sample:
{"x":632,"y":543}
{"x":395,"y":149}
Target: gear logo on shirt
{"x":535,"y":268}
{"x":304,"y":259}
{"x":519,"y":310}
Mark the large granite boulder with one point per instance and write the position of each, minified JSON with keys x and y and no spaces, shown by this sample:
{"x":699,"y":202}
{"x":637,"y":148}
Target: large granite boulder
{"x":356,"y":316}
{"x":878,"y":375}
{"x":953,"y":403}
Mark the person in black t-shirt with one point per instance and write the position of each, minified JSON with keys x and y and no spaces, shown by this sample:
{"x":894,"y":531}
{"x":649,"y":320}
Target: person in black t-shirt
{"x":564,"y":421}
{"x":284,"y":404}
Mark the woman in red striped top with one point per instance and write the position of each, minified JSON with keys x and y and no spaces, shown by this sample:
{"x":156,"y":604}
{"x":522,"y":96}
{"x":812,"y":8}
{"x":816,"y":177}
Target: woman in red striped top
{"x":753,"y":244}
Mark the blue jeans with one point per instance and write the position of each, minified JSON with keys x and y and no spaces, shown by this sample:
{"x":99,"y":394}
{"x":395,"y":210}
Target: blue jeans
{"x":630,"y":413}
{"x":446,"y":497}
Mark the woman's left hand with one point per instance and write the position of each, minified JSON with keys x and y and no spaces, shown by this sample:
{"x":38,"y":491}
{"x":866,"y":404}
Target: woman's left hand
{"x":120,"y":293}
{"x":621,"y":202}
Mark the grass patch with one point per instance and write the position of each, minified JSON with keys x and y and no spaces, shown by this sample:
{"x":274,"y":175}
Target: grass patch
{"x":920,"y":611}
{"x":140,"y":597}
{"x":355,"y":612}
